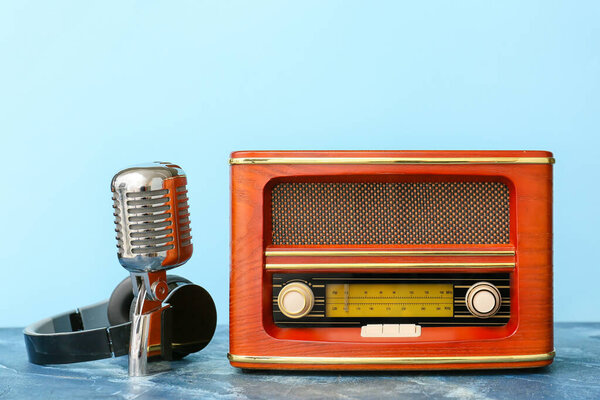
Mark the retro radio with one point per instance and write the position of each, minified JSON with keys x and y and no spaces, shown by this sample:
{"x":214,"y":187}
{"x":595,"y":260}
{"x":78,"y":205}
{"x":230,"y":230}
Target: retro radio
{"x":391,"y":259}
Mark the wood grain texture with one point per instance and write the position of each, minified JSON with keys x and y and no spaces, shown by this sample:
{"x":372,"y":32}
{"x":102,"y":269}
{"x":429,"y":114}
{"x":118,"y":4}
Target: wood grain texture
{"x":529,"y":331}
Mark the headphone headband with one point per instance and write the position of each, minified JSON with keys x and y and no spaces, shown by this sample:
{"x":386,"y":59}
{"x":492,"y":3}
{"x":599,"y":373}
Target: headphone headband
{"x":83,"y":334}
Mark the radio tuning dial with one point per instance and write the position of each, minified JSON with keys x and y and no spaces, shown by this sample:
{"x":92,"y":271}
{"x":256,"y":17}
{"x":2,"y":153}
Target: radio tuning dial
{"x":483,"y":299}
{"x":295,"y":300}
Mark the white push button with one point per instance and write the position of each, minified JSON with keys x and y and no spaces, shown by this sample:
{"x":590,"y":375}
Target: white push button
{"x":409,"y":330}
{"x":391,"y":330}
{"x":371,"y":331}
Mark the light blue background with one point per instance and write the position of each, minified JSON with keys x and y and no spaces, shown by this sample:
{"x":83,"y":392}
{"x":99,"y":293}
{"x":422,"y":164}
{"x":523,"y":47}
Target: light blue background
{"x":87,"y":88}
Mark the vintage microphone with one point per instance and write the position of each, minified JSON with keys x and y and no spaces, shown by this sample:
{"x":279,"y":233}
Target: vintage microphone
{"x":150,"y":314}
{"x":153,"y":234}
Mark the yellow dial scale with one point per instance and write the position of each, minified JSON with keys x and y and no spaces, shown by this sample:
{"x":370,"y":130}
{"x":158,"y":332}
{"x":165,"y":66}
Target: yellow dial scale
{"x":389,"y":300}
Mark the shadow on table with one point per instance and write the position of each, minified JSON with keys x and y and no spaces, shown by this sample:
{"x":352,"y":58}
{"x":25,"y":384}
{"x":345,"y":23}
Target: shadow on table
{"x":475,"y":372}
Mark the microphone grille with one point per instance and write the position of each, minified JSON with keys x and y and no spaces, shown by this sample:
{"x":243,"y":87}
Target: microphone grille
{"x":152,"y":217}
{"x":149,"y":227}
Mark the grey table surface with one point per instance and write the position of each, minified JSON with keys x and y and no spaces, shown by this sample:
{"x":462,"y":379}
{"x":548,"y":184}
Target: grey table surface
{"x":575,"y":374}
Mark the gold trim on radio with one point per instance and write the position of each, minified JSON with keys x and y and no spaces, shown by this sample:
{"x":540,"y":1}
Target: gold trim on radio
{"x":385,"y":253}
{"x":390,"y":360}
{"x":392,"y":160}
{"x":389,"y":265}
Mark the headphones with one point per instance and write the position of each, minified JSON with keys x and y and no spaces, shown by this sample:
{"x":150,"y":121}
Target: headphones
{"x":102,"y":330}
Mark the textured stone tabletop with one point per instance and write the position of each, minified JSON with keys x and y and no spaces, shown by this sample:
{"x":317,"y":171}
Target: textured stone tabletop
{"x":575,"y":374}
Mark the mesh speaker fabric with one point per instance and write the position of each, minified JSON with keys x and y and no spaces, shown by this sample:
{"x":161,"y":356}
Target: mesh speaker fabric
{"x":372,"y":213}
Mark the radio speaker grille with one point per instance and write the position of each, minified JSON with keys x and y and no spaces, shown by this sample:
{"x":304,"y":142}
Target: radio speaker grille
{"x":373,"y":213}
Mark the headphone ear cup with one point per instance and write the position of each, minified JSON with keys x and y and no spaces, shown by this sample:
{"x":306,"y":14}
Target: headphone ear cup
{"x":119,"y":304}
{"x":174,"y":281}
{"x":192,"y":319}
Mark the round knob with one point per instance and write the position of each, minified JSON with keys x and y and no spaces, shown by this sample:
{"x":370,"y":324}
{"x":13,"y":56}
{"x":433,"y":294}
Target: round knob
{"x":483,"y":299}
{"x":295,"y":300}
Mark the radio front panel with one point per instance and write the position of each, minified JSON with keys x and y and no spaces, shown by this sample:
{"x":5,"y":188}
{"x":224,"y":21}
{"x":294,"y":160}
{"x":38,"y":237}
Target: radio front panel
{"x":375,"y":260}
{"x":354,"y":300}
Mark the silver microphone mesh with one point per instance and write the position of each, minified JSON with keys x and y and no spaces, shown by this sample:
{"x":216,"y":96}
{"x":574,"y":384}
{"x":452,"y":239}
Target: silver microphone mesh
{"x":143,"y":217}
{"x":149,"y":228}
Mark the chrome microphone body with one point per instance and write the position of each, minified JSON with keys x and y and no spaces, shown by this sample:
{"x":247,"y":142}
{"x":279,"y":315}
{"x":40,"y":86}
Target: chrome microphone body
{"x":153,"y":235}
{"x":152,"y":217}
